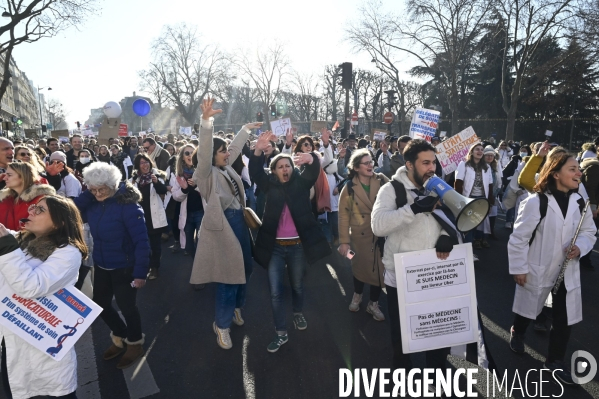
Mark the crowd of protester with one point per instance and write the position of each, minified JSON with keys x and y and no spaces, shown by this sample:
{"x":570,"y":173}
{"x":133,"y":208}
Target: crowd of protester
{"x":312,"y":195}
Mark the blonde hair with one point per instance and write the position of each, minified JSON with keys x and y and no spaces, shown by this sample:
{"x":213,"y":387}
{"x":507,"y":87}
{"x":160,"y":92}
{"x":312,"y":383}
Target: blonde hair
{"x":26,"y":172}
{"x":181,"y":160}
{"x":34,"y":159}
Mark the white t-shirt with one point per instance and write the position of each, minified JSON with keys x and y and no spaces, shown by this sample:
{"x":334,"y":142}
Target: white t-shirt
{"x":69,"y":186}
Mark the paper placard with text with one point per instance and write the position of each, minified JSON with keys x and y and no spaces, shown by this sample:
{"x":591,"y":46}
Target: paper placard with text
{"x":317,"y":126}
{"x":424,"y":124}
{"x":454,"y":150}
{"x":280,"y":126}
{"x":437,"y":299}
{"x":52,"y":323}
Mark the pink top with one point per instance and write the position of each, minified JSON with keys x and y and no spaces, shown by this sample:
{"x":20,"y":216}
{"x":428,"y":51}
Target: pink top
{"x":286,"y":227}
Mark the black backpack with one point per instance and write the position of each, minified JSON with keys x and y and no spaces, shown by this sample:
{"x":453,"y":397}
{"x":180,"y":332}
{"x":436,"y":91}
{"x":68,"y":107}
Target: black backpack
{"x":544,"y":202}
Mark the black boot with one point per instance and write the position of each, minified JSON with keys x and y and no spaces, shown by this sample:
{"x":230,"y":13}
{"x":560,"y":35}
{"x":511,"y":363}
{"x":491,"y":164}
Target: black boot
{"x":492,"y":222}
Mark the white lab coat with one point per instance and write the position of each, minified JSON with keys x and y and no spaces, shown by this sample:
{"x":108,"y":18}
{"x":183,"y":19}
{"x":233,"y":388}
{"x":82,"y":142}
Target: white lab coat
{"x":467,"y":175}
{"x":542,"y":260}
{"x":30,"y":371}
{"x":156,"y":204}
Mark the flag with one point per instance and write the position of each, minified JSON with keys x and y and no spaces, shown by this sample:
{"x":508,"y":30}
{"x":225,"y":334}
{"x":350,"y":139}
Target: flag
{"x":335,"y":126}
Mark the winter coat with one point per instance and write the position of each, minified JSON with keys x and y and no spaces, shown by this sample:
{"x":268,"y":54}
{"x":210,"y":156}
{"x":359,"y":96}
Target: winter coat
{"x":405,"y":231}
{"x":542,"y":260}
{"x":156,"y":205}
{"x":355,"y":214}
{"x":527,"y":177}
{"x":504,"y":157}
{"x":218,"y":256}
{"x":296,"y":194}
{"x":30,"y":371}
{"x":590,"y":179}
{"x":119,"y":230}
{"x":12,"y":209}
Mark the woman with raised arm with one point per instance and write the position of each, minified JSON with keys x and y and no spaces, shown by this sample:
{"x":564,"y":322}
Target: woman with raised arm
{"x":224,"y":253}
{"x":289,"y":235}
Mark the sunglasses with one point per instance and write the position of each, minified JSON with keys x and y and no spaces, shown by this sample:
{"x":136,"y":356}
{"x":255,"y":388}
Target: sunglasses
{"x":306,"y":144}
{"x":35,"y":209}
{"x":24,"y":154}
{"x":187,"y":153}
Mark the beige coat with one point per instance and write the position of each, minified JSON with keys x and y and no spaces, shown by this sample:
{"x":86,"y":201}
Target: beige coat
{"x":354,"y":229}
{"x":218,"y":257}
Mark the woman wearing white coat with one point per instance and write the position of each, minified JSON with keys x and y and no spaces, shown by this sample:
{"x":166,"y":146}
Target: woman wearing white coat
{"x":535,"y":266}
{"x":36,"y":262}
{"x":150,"y":183}
{"x":474,"y":179}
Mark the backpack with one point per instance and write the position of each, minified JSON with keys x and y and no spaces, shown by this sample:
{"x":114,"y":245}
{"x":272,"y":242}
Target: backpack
{"x":544,"y":202}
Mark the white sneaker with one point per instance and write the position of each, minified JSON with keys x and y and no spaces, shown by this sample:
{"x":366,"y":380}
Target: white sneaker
{"x":508,"y":225}
{"x":354,"y":306}
{"x":375,"y":311}
{"x":475,"y":258}
{"x":237,"y":319}
{"x":223,"y":339}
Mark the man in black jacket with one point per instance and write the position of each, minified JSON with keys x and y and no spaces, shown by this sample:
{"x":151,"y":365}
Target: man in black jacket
{"x":73,"y":153}
{"x":159,"y":155}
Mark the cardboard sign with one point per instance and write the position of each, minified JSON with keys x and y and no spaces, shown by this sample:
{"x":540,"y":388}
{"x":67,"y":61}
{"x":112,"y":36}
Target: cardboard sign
{"x":123,"y":130}
{"x":317,"y":126}
{"x":280,"y":126}
{"x":437,"y":299}
{"x":51,"y":324}
{"x":424,"y":124}
{"x":454,"y":150}
{"x":109,"y":129}
{"x":378,"y":134}
{"x":60,"y":133}
{"x":30,"y":133}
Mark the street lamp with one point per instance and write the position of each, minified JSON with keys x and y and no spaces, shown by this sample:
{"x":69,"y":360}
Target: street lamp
{"x":39,"y":96}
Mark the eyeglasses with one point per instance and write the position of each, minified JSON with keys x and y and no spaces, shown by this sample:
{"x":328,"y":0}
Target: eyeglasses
{"x":100,"y":191}
{"x":35,"y":209}
{"x":24,"y":154}
{"x":187,"y":153}
{"x":367,"y":163}
{"x":144,"y":162}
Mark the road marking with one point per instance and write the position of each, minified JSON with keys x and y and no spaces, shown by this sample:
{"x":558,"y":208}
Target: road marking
{"x":249,"y":385}
{"x":334,"y":274}
{"x":87,"y":370}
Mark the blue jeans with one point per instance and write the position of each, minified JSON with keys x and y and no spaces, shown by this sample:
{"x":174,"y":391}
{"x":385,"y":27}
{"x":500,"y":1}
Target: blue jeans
{"x":333,"y":218}
{"x":293,"y":257}
{"x":231,"y":296}
{"x":192,"y":228}
{"x":251,"y":198}
{"x":510,"y":214}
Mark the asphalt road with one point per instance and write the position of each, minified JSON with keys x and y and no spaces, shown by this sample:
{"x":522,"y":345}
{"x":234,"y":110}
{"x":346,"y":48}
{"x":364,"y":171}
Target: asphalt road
{"x":184,"y":361}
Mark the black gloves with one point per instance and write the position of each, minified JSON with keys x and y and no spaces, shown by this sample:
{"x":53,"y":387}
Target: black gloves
{"x":444,"y":244}
{"x":425,"y":204}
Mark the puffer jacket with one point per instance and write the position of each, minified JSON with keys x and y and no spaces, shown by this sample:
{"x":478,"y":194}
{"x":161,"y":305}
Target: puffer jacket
{"x":296,"y":194}
{"x":119,"y":230}
{"x":12,"y":208}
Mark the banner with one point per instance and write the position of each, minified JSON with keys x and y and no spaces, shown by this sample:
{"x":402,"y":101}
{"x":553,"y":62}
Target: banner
{"x":280,"y":126}
{"x":437,"y":299}
{"x":317,"y":126}
{"x":454,"y":150}
{"x":424,"y":124}
{"x":51,"y":323}
{"x":185,"y":130}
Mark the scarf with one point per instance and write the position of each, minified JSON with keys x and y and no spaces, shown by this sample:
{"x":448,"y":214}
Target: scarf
{"x":104,"y":158}
{"x":40,"y":248}
{"x":144,"y":179}
{"x":188,"y":172}
{"x":154,"y":153}
{"x":117,"y":160}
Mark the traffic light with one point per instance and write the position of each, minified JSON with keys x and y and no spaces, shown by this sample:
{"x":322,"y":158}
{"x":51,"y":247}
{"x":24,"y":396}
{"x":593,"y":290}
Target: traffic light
{"x":44,"y":128}
{"x":78,"y":125}
{"x":259,"y":117}
{"x":273,"y":111}
{"x":346,"y":75}
{"x":390,"y":99}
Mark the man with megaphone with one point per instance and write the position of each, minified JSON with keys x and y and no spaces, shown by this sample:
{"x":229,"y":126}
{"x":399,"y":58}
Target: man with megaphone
{"x":408,"y":212}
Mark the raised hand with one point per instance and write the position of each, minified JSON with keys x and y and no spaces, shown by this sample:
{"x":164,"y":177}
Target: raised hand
{"x":207,"y":110}
{"x":544,"y":149}
{"x":54,"y":168}
{"x":289,"y":137}
{"x":254,"y":125}
{"x":264,"y":140}
{"x":182,"y":182}
{"x":302,"y":158}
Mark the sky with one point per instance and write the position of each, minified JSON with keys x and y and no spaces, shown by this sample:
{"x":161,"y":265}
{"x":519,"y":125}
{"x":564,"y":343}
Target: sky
{"x":99,"y":62}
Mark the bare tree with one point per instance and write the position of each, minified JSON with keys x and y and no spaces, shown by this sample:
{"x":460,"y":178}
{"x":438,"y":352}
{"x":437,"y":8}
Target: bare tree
{"x":185,"y":69}
{"x":437,"y":33}
{"x":239,"y":103}
{"x":332,"y":92}
{"x":57,"y":114}
{"x":266,"y":69}
{"x":151,"y":83}
{"x":526,"y":26}
{"x":306,"y":99}
{"x":33,"y":20}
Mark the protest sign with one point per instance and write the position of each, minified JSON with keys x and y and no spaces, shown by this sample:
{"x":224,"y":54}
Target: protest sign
{"x":454,"y":150}
{"x":63,"y":139}
{"x":30,"y":133}
{"x":378,"y":135}
{"x":424,"y":124}
{"x":123,"y":130}
{"x":51,"y":323}
{"x":280,"y":126}
{"x":437,"y":299}
{"x":185,"y":130}
{"x":317,"y":126}
{"x":58,"y":133}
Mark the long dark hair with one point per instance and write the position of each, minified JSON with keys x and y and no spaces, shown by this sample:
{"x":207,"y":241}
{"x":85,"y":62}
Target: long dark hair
{"x":137,"y":161}
{"x":67,"y":225}
{"x":552,"y":165}
{"x":300,"y":143}
{"x":217,"y":145}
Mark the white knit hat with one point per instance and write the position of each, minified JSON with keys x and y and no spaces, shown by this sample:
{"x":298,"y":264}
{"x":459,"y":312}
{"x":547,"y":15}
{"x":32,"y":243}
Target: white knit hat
{"x":489,"y":150}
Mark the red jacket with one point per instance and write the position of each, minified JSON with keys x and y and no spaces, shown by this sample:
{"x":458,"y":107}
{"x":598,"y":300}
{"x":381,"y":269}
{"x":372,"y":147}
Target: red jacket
{"x":12,"y":209}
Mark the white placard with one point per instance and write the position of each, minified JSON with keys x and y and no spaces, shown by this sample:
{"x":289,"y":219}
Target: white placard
{"x":380,"y":136}
{"x":443,"y":133}
{"x":185,"y":130}
{"x":424,"y":124}
{"x":280,"y":126}
{"x":548,"y":133}
{"x":437,"y":299}
{"x":454,"y":150}
{"x":52,"y":323}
